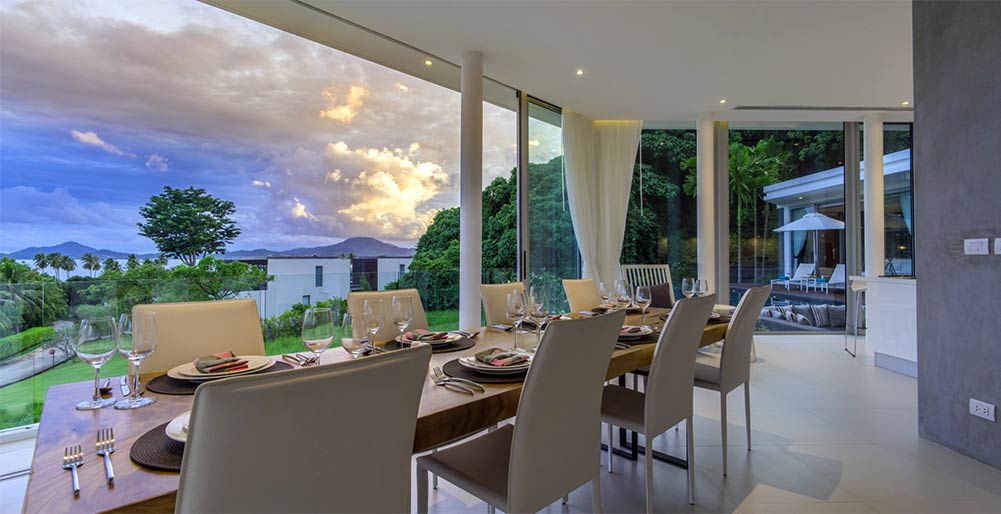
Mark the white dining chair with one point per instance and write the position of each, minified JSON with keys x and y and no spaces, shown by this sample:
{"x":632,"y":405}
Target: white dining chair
{"x":188,"y":330}
{"x":667,"y":400}
{"x":332,"y":438}
{"x":495,"y":300}
{"x":552,"y":449}
{"x":649,"y":275}
{"x":582,"y":294}
{"x":732,"y":368}
{"x":356,"y":305}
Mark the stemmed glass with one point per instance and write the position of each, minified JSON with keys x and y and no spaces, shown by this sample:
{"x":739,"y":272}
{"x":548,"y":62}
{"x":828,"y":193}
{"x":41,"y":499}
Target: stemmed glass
{"x":355,"y":346}
{"x":402,"y":313}
{"x":622,"y":295}
{"x":374,"y":314}
{"x":701,"y":287}
{"x":642,"y":300}
{"x":96,"y":344}
{"x":538,"y":312}
{"x":136,"y":341}
{"x":318,"y":330}
{"x":688,"y":287}
{"x":604,"y":294}
{"x":516,"y":312}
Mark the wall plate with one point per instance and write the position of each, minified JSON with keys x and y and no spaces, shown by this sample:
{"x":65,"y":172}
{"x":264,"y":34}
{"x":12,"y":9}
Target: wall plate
{"x":976,"y":246}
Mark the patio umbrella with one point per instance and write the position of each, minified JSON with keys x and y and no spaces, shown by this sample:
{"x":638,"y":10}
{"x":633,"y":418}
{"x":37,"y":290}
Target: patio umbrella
{"x":813,"y":222}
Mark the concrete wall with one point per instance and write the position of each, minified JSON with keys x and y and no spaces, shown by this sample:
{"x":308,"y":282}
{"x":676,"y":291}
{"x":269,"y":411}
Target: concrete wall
{"x":389,"y":269}
{"x":957,"y":184}
{"x":295,"y":278}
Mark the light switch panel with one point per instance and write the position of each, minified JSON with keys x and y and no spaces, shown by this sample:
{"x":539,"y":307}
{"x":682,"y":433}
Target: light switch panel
{"x":997,"y":246}
{"x":976,"y":246}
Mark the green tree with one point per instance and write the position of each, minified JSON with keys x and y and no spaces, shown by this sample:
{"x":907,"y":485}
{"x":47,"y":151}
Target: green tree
{"x":27,"y":298}
{"x":41,"y":261}
{"x":91,"y":263}
{"x":54,"y":259}
{"x":111,"y":265}
{"x":132,"y":261}
{"x":216,"y":279}
{"x":67,"y":264}
{"x":188,"y":223}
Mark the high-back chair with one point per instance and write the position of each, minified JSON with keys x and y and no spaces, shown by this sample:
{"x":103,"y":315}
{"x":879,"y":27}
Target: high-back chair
{"x":582,"y":294}
{"x":668,"y":397}
{"x":638,"y":275}
{"x":356,"y":306}
{"x":552,"y":449}
{"x":188,"y":330}
{"x":495,"y":300}
{"x":354,"y":422}
{"x":733,"y":367}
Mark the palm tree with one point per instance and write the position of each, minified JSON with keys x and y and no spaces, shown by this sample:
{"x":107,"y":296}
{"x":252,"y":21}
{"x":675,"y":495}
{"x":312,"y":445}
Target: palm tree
{"x":41,"y":261}
{"x":67,"y":264}
{"x":91,"y":262}
{"x":111,"y":265}
{"x":54,"y":259}
{"x":132,"y":262}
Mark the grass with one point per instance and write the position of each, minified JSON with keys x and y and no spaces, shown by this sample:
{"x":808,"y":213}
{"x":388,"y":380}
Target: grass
{"x":21,"y":402}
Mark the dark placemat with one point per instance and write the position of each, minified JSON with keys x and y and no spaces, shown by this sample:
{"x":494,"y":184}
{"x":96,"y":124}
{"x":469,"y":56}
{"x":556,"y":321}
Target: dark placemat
{"x":652,"y":338}
{"x":169,"y":385}
{"x":452,"y":368}
{"x":720,"y":320}
{"x":455,"y":346}
{"x":155,"y":450}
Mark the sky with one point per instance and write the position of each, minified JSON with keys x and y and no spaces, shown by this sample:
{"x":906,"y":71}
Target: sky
{"x":103,"y":103}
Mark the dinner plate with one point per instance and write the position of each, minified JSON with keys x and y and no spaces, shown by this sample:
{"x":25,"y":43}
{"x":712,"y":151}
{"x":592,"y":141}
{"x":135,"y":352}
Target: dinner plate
{"x":177,"y":429}
{"x":187,"y":371}
{"x":644,"y":331}
{"x":449,"y":339}
{"x":475,"y":365}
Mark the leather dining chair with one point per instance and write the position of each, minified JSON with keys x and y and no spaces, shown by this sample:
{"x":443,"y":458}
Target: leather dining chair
{"x":732,"y":368}
{"x":551,"y":449}
{"x":495,"y":300}
{"x":188,"y":330}
{"x":582,"y":294}
{"x":667,"y":399}
{"x":356,"y":305}
{"x":332,"y":438}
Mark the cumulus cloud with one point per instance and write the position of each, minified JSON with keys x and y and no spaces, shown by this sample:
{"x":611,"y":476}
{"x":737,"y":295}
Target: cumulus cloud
{"x":299,"y":211}
{"x":157,"y":162}
{"x":261,"y":183}
{"x":91,"y":138}
{"x":346,"y":112}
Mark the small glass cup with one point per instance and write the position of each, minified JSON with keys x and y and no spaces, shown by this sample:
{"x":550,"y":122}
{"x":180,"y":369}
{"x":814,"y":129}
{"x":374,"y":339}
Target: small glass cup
{"x":96,"y":344}
{"x":355,"y":346}
{"x":318,"y":330}
{"x":137,"y":340}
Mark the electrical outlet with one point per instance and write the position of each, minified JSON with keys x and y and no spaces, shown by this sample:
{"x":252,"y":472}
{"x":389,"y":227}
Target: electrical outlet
{"x":982,"y":410}
{"x":976,"y":247}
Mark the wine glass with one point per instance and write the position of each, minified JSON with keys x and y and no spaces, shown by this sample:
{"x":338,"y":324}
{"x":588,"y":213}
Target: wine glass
{"x":96,"y":344}
{"x":318,"y":330}
{"x":355,"y":346}
{"x":537,"y":311}
{"x":622,"y":295}
{"x":604,"y":293}
{"x":701,"y":287}
{"x":688,"y":287}
{"x":137,"y":340}
{"x":642,"y":300}
{"x":374,"y":314}
{"x":516,"y":312}
{"x":402,"y":313}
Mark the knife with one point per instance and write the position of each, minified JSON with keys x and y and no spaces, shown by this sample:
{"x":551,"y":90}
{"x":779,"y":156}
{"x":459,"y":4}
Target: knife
{"x":125,"y":385}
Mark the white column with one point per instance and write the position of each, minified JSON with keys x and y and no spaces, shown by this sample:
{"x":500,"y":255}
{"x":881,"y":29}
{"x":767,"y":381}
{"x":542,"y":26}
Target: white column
{"x":705,"y":181}
{"x":875,"y":246}
{"x":471,"y":190}
{"x":787,"y":242}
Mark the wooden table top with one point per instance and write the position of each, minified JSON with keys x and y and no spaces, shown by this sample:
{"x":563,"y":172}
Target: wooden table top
{"x":444,"y":415}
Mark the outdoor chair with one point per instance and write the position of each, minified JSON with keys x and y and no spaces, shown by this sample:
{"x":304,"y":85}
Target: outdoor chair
{"x":803,"y":273}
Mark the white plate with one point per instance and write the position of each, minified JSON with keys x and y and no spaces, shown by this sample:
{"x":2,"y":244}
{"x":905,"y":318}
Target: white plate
{"x":644,"y":331}
{"x":724,"y":309}
{"x":187,"y":371}
{"x":475,"y":365}
{"x":449,"y":339}
{"x":177,"y":429}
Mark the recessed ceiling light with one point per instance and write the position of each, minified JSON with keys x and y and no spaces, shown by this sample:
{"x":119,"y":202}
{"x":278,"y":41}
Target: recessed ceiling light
{"x":905,"y":103}
{"x":580,"y":72}
{"x":722,"y":100}
{"x":427,"y":62}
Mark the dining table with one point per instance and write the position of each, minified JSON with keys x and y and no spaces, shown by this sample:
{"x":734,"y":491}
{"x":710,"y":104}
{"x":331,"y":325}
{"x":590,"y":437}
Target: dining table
{"x":444,"y":415}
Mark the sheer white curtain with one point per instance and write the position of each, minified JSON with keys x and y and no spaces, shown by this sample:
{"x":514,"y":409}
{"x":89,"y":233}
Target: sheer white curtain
{"x":617,"y":144}
{"x":579,"y":159}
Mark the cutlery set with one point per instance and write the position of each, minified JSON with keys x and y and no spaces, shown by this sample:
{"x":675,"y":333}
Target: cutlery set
{"x":300,"y":359}
{"x":105,"y":446}
{"x":456,"y":384}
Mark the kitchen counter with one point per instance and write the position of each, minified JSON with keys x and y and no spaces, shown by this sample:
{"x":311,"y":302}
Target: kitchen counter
{"x":891,"y":322}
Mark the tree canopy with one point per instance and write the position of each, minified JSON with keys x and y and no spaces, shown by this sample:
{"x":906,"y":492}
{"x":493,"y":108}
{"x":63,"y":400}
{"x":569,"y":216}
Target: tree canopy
{"x":188,"y":223}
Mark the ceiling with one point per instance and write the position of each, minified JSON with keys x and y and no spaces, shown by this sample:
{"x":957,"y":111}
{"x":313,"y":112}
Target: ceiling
{"x":670,"y":60}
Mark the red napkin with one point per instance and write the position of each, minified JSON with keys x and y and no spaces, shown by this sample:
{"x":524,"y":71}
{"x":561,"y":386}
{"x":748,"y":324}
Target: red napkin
{"x":425,"y":335}
{"x":218,"y":362}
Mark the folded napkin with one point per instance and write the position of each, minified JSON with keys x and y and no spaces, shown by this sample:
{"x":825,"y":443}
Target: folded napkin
{"x":529,"y":325}
{"x":599,"y":310}
{"x":501,"y":326}
{"x":424,"y":335}
{"x":498,"y":357}
{"x":218,"y":362}
{"x":624,"y":331}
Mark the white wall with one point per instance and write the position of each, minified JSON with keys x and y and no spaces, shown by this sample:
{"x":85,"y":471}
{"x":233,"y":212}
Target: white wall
{"x":294,"y":278}
{"x":389,"y":269}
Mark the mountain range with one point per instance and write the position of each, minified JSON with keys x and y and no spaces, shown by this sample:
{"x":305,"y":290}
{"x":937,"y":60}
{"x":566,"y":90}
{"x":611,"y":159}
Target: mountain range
{"x":357,"y":246}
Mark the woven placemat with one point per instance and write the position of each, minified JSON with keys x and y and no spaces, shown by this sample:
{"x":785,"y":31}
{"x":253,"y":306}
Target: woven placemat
{"x":452,"y":368}
{"x":169,"y":385}
{"x":155,"y":450}
{"x":455,"y":346}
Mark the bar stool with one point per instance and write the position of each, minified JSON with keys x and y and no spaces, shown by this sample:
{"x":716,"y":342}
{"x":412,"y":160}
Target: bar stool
{"x":858,"y":289}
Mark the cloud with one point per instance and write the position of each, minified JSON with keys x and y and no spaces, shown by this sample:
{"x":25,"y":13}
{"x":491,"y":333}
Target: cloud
{"x":261,"y":183}
{"x":299,"y":211}
{"x":157,"y":161}
{"x":91,"y":138}
{"x":31,"y":206}
{"x":347,"y":112}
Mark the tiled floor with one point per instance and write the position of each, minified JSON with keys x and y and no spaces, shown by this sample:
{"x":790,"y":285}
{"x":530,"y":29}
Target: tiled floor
{"x":831,"y":434}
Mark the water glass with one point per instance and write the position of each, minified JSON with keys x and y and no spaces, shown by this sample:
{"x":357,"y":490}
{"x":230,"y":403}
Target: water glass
{"x":402,"y":312}
{"x":688,"y":287}
{"x":355,"y":346}
{"x":318,"y":330}
{"x":701,"y":287}
{"x":642,"y":300}
{"x":516,"y":312}
{"x":137,"y":340}
{"x":622,"y":293}
{"x":96,"y":344}
{"x":604,"y":293}
{"x":375,"y":317}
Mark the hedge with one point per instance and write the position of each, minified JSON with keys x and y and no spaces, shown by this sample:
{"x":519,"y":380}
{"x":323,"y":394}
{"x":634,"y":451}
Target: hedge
{"x":21,"y":342}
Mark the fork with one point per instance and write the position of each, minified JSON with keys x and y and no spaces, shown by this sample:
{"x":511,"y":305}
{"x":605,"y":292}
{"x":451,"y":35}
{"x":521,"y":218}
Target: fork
{"x":105,"y":447}
{"x":442,"y":380}
{"x":463,"y":381}
{"x":72,"y":459}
